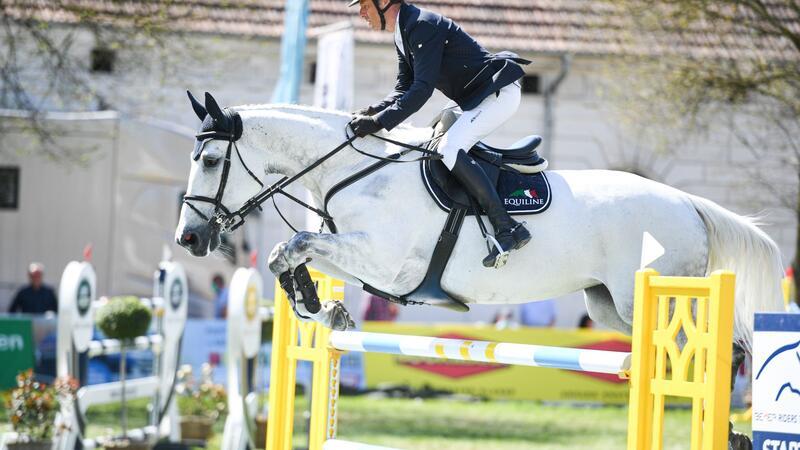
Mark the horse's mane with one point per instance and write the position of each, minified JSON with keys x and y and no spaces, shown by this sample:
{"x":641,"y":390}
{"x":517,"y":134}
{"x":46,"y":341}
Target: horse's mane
{"x":403,"y":132}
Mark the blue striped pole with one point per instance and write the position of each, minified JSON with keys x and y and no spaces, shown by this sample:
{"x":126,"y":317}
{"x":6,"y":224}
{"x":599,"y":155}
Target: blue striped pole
{"x":599,"y":361}
{"x":335,"y":444}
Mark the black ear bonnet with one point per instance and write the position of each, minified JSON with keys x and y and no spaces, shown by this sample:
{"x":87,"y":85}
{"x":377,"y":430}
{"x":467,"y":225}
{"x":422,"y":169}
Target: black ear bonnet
{"x":229,"y":123}
{"x":220,"y":124}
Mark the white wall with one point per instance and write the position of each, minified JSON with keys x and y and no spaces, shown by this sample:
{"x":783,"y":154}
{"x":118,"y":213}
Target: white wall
{"x":124,"y":199}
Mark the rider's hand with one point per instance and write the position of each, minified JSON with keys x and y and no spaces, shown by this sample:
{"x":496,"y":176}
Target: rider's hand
{"x":365,"y":125}
{"x":368,"y":111}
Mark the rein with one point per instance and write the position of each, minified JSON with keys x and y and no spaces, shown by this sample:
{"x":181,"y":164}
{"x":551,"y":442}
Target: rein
{"x":227,"y":221}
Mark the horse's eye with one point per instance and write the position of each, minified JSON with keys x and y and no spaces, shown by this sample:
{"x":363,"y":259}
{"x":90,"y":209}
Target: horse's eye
{"x":210,"y":162}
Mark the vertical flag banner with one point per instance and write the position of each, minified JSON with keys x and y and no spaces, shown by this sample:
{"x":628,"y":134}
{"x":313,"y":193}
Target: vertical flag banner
{"x":334,"y":77}
{"x":333,"y":88}
{"x":293,"y":45}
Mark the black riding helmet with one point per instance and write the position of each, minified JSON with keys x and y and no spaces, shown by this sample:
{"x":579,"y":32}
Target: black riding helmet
{"x":381,"y":11}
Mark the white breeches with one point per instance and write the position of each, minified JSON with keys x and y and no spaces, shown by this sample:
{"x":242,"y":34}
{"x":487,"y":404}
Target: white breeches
{"x":479,"y":122}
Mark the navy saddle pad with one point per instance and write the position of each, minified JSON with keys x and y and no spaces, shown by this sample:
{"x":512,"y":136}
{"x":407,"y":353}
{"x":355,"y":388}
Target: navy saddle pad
{"x":521,"y":193}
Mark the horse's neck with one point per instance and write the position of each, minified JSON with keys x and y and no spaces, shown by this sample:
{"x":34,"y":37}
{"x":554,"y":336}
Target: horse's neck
{"x":289,"y":139}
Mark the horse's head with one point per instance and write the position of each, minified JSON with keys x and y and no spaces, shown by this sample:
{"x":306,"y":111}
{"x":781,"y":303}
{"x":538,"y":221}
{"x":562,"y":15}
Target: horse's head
{"x":219,"y":181}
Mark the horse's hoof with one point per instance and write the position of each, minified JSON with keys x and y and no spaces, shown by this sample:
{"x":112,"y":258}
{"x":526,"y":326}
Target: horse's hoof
{"x":340,"y":319}
{"x":739,"y":441}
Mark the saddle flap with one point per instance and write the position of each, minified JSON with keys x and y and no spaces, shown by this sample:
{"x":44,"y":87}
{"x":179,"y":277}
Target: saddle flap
{"x":521,"y":193}
{"x":440,"y":176}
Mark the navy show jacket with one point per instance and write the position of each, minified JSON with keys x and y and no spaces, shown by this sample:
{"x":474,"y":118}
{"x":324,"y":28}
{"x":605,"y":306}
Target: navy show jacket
{"x":440,"y":55}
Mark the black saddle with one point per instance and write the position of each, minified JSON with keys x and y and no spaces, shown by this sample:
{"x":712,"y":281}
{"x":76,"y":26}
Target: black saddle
{"x":522,"y":185}
{"x":522,"y":152}
{"x":518,"y":173}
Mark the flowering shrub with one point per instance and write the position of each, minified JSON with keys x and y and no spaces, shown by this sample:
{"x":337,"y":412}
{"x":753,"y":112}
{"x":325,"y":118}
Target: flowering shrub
{"x":204,"y":399}
{"x":32,"y":406}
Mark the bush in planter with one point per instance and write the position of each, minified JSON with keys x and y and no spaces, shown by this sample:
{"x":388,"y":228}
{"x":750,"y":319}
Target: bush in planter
{"x":123,"y":318}
{"x":200,"y":404}
{"x":32,"y":408}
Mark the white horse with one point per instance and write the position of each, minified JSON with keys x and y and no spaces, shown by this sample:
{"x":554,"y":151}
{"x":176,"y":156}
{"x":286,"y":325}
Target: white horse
{"x":589,"y":239}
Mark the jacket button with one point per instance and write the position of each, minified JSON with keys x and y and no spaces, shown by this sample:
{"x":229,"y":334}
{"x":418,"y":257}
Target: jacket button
{"x":445,"y":42}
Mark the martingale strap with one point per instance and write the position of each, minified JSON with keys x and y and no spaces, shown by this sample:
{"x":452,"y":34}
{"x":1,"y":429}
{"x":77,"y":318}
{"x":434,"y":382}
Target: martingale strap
{"x":429,"y":291}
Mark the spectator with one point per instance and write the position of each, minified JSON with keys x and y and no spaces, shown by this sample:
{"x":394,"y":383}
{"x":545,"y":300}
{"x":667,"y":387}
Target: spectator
{"x":221,"y":299}
{"x":538,"y":314}
{"x":379,"y":309}
{"x":504,"y":318}
{"x":585,"y":322}
{"x":37,"y":297}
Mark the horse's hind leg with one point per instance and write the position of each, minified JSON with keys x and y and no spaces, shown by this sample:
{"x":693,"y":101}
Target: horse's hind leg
{"x":612,"y":307}
{"x":736,"y":440}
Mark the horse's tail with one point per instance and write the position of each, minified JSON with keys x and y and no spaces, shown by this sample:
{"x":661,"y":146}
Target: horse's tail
{"x":736,"y":243}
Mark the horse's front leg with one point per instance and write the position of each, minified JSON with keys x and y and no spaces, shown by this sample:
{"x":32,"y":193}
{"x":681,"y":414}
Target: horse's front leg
{"x":287,"y":261}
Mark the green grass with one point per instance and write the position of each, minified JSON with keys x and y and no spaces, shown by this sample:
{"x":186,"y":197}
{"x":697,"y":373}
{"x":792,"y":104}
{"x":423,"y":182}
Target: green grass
{"x":442,"y":424}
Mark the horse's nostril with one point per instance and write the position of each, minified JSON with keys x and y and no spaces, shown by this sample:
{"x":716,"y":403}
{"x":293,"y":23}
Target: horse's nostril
{"x":189,"y":238}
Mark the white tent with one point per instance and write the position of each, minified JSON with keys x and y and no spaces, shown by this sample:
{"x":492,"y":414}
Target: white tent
{"x":123,"y":198}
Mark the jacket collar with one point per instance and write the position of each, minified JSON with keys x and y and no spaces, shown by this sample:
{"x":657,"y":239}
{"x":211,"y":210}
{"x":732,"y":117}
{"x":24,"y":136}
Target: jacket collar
{"x":407,"y":17}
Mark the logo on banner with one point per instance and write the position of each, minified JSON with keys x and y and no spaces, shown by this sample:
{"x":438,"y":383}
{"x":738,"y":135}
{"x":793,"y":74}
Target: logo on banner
{"x":84,"y":297}
{"x":176,"y":293}
{"x":251,"y":303}
{"x":776,"y":381}
{"x":789,"y":385}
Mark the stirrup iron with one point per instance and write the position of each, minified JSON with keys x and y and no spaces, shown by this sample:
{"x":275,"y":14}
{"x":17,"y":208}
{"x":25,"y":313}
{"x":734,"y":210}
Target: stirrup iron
{"x":502,"y":257}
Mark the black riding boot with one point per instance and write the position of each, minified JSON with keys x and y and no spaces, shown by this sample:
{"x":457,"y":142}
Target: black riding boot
{"x":509,"y":234}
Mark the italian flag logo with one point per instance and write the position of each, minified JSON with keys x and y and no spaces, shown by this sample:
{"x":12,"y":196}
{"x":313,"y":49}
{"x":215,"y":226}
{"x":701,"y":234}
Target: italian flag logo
{"x":528,"y":193}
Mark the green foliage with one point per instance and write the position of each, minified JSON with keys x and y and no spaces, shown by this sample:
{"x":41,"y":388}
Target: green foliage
{"x":32,"y":406}
{"x":124,"y":318}
{"x":204,"y":399}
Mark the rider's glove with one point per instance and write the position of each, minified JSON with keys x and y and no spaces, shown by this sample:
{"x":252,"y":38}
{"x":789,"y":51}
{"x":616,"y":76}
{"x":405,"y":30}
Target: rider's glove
{"x":368,"y":111}
{"x":364,"y":126}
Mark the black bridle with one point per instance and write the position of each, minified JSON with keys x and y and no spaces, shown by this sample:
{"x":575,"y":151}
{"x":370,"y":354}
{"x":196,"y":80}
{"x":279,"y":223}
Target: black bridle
{"x":225,"y":220}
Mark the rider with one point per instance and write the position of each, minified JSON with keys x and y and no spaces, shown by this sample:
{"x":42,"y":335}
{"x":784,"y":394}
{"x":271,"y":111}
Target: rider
{"x":434,"y":52}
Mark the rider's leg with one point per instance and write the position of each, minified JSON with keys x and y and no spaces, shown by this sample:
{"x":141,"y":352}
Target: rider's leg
{"x":472,"y":126}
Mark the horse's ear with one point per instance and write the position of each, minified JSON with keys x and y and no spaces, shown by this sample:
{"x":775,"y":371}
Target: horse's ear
{"x":198,"y":108}
{"x":213,"y":108}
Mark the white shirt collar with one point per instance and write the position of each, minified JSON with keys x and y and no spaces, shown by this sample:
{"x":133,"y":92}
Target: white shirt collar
{"x":398,"y":38}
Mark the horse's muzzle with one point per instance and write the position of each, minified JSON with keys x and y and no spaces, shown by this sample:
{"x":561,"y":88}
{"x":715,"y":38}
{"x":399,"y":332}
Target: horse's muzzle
{"x":198,"y":240}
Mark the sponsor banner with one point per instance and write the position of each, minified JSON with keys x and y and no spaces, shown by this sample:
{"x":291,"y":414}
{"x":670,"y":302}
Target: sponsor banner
{"x":204,"y":342}
{"x":500,"y":380}
{"x":776,"y":381}
{"x":16,"y":349}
